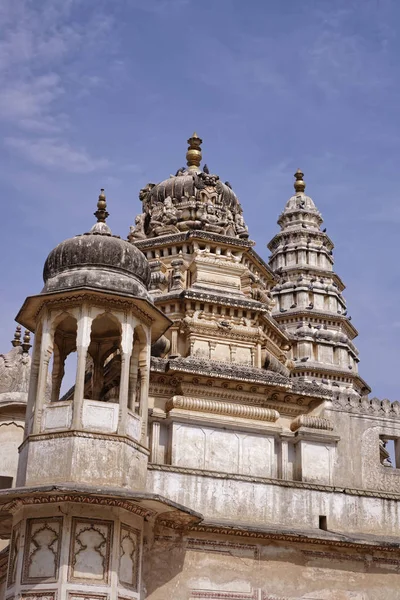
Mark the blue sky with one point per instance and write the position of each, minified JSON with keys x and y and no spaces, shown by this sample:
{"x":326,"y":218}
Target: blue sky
{"x":105,"y":94}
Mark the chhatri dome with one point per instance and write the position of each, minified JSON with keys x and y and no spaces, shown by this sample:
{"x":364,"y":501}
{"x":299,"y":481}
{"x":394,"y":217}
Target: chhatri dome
{"x":192,"y":199}
{"x":97,"y":259}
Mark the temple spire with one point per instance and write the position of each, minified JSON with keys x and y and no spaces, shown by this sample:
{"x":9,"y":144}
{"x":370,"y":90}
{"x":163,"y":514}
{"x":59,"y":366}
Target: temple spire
{"x":193,"y":155}
{"x":299,"y":185}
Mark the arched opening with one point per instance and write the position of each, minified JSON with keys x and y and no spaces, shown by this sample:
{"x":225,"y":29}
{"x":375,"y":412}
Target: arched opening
{"x":63,"y":372}
{"x":104,"y":363}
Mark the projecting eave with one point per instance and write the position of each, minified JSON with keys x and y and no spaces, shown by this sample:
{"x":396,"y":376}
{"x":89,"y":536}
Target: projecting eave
{"x":164,"y":241}
{"x":287,"y":232}
{"x":27,"y":316}
{"x":145,"y":504}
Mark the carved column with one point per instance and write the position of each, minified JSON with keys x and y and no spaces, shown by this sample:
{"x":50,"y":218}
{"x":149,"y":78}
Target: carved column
{"x":144,"y":365}
{"x":133,"y":375}
{"x":82,"y":345}
{"x":126,"y":353}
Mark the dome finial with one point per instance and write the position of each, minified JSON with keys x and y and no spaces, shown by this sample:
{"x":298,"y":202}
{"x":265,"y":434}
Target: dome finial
{"x":101,"y":213}
{"x":27,"y":341}
{"x":17,"y":337}
{"x":299,"y":184}
{"x":193,"y":155}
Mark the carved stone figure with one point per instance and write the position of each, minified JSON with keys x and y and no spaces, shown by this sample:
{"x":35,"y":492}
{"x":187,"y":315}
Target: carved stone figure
{"x":137,"y":231}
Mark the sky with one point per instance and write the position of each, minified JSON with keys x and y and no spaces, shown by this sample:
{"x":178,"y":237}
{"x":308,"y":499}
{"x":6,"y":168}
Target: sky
{"x":105,"y":94}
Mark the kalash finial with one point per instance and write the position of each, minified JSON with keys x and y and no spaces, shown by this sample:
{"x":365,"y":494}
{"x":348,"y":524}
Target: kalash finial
{"x":27,"y":341}
{"x":17,"y":337}
{"x":193,"y":155}
{"x":299,"y":184}
{"x":101,"y":215}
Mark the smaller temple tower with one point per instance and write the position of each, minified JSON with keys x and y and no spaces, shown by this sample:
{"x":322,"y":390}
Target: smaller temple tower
{"x":77,"y":516}
{"x":309,"y":301}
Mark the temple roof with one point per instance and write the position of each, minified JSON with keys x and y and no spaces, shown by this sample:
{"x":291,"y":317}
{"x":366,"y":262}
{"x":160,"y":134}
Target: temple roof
{"x":192,"y":199}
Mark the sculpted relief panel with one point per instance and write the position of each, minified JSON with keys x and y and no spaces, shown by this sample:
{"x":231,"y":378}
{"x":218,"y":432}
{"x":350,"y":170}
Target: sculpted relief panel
{"x":129,"y":551}
{"x":42,"y":550}
{"x":90,"y":550}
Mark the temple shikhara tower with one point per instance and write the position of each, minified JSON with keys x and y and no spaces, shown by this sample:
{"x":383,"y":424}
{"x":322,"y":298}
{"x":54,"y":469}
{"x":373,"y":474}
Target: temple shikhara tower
{"x":213,"y":438}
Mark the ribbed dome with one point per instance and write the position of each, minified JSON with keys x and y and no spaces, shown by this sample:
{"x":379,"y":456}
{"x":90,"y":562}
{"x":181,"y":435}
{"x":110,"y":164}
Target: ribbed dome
{"x":97,"y":260}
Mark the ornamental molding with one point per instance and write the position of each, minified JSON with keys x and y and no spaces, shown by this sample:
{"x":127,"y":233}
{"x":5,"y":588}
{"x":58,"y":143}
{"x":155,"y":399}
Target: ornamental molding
{"x":311,"y":422}
{"x":290,"y":537}
{"x":176,"y":238}
{"x":130,"y":506}
{"x":227,"y":370}
{"x":111,"y":437}
{"x":72,"y":301}
{"x":222,"y":408}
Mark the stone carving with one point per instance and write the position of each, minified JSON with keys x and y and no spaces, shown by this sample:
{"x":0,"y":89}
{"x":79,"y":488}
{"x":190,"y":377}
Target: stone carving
{"x":129,"y":550}
{"x":14,"y":371}
{"x":311,"y":422}
{"x":90,"y":550}
{"x":222,"y":408}
{"x":42,"y":550}
{"x":47,"y":595}
{"x":14,"y":548}
{"x":78,"y":596}
{"x":190,"y":200}
{"x":137,"y":231}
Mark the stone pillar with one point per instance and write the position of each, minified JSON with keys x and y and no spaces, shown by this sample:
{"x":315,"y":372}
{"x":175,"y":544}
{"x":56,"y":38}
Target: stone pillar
{"x":155,"y":441}
{"x":33,"y":382}
{"x":82,"y":345}
{"x":126,"y":353}
{"x":144,"y":365}
{"x":45,"y":355}
{"x":133,"y":375}
{"x":58,"y":372}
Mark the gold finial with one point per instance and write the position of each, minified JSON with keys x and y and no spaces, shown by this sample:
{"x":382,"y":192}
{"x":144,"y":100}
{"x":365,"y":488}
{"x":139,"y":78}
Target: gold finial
{"x":299,"y":184}
{"x":17,"y":337}
{"x":101,"y":213}
{"x":193,"y":155}
{"x":27,"y":341}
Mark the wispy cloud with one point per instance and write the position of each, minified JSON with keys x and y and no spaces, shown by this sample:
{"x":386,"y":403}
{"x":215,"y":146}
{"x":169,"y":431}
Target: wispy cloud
{"x":45,"y":52}
{"x":56,"y":154}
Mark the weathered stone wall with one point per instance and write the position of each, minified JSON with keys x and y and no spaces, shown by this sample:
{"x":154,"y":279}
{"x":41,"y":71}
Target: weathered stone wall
{"x":226,"y":568}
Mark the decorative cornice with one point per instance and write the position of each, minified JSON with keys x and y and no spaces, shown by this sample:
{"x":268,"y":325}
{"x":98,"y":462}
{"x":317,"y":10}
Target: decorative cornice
{"x":300,"y":537}
{"x":176,"y":238}
{"x":85,"y":434}
{"x":222,"y":408}
{"x":311,"y":422}
{"x":132,"y":507}
{"x":227,"y":371}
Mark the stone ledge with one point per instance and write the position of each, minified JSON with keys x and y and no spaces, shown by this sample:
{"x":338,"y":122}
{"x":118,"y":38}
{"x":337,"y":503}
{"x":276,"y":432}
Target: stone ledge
{"x":370,"y":493}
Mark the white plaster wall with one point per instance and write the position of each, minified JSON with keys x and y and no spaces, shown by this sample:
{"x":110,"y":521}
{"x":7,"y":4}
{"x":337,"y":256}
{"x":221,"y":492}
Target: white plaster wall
{"x":218,"y":449}
{"x":11,"y":435}
{"x":266,"y":504}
